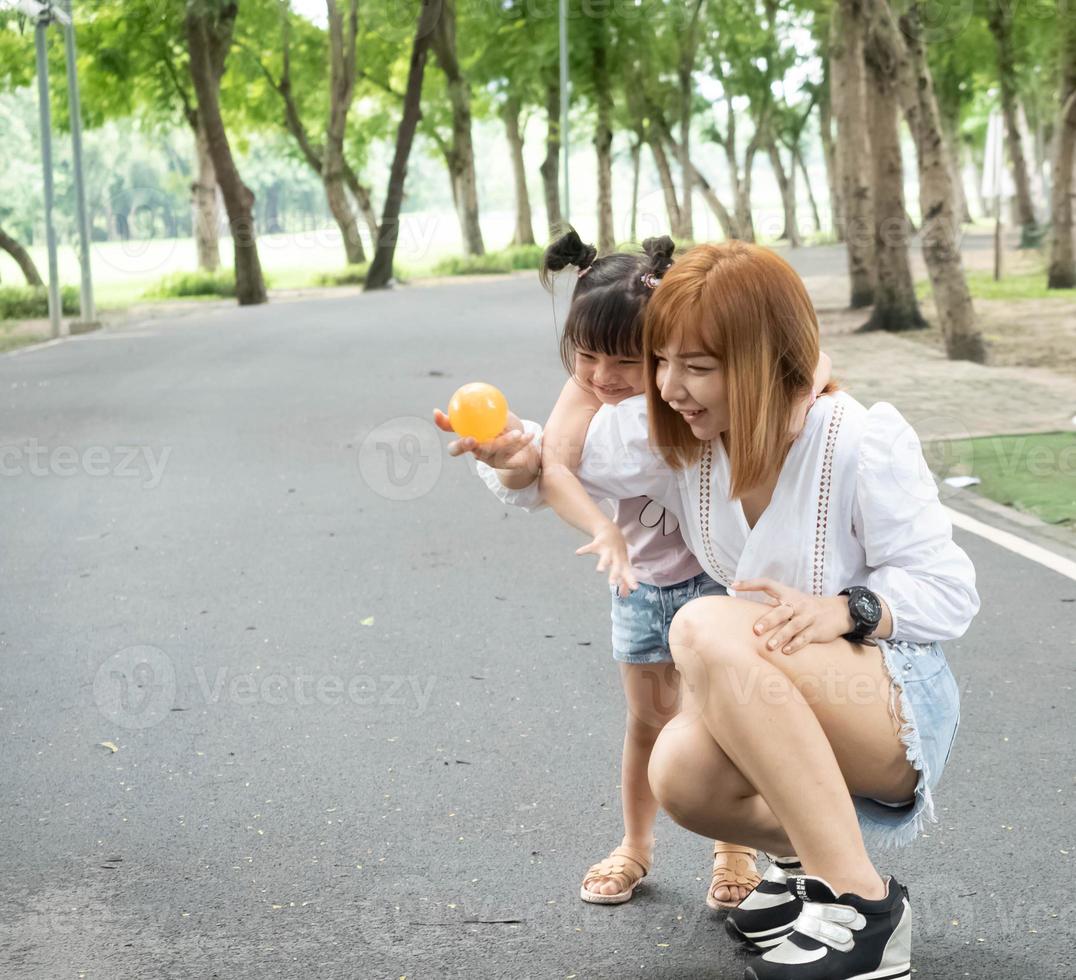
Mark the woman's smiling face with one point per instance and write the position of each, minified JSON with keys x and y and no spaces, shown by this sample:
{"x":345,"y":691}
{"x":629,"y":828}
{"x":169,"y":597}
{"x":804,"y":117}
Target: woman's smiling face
{"x":692,"y":382}
{"x":612,"y":377}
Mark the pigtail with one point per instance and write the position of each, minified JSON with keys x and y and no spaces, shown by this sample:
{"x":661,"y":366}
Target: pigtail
{"x":567,"y":250}
{"x":659,"y":252}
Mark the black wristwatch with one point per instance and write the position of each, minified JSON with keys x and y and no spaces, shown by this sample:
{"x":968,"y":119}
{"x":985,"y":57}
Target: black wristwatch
{"x":865,"y":609}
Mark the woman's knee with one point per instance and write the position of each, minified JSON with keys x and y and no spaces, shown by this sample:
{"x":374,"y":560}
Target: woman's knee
{"x":713,"y":631}
{"x":677,"y":770}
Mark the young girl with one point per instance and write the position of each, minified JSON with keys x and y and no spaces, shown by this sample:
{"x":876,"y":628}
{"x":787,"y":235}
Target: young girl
{"x":825,"y":708}
{"x":651,"y":572}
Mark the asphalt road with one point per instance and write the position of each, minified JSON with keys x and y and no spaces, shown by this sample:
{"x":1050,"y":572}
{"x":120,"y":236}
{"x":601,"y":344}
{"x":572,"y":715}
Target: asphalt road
{"x":366,"y":723}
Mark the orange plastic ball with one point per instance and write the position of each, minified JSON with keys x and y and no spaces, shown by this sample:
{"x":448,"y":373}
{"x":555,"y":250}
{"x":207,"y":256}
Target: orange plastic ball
{"x":478,"y":410}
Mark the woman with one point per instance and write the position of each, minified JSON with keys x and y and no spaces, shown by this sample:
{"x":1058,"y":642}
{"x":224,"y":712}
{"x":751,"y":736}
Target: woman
{"x":830,"y":714}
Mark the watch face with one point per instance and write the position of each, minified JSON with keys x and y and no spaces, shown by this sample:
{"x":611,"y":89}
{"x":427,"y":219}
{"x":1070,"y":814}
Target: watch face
{"x":867,"y":607}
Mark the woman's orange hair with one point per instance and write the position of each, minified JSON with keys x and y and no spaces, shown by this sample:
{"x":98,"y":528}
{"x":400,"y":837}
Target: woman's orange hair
{"x":746,"y":306}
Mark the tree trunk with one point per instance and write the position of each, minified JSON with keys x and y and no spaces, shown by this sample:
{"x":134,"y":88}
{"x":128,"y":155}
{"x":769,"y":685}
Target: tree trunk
{"x":380,"y":274}
{"x":464,"y":180}
{"x":22,"y":258}
{"x":895,"y":303}
{"x":550,"y":168}
{"x":361,"y":194}
{"x":954,"y":150}
{"x":685,"y":74}
{"x":636,"y":157}
{"x":1000,"y":20}
{"x":668,"y":189}
{"x":1062,"y":271}
{"x":849,"y":94}
{"x":204,"y":201}
{"x":729,"y":146}
{"x":603,"y":140}
{"x":940,"y":233}
{"x":524,"y":233}
{"x":342,"y":62}
{"x":728,"y":226}
{"x":791,"y":231}
{"x":797,"y":157}
{"x":209,"y":29}
{"x":329,"y":162}
{"x":744,"y":218}
{"x":829,"y":153}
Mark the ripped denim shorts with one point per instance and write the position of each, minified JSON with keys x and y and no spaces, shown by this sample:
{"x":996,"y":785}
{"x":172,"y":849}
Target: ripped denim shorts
{"x":927,"y":697}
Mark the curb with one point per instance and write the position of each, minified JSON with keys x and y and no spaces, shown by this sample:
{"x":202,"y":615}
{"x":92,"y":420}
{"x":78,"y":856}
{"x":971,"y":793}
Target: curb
{"x":1058,"y":539}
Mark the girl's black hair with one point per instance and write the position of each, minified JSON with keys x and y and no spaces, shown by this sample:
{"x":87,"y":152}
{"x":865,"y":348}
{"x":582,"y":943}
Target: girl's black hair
{"x":606,"y":315}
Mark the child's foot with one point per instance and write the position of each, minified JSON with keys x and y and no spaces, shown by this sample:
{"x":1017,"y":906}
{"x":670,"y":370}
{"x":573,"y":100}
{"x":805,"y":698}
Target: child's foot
{"x":613,"y":881}
{"x":843,"y":937}
{"x":734,"y":875}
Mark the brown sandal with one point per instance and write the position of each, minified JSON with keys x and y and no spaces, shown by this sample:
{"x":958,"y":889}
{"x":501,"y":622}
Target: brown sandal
{"x":616,"y":866}
{"x":733,"y":865}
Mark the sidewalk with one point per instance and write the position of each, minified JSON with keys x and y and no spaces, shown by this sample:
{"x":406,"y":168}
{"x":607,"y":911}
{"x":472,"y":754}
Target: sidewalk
{"x":944,"y":399}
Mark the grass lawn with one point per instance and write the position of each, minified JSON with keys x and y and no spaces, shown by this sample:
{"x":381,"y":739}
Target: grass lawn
{"x":1033,"y":473}
{"x":1023,"y":284}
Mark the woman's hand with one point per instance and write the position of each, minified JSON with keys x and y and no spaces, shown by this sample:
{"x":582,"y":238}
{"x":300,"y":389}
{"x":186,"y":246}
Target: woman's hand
{"x":796,"y":618}
{"x":612,"y":551}
{"x":513,"y":449}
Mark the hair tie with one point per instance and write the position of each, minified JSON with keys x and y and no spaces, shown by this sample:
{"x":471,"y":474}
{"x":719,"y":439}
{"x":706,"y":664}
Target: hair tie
{"x":584,"y":271}
{"x":649,"y":280}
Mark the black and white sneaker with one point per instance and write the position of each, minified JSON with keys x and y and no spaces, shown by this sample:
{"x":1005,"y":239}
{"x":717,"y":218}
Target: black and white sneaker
{"x":842,"y":937}
{"x":766,"y":916}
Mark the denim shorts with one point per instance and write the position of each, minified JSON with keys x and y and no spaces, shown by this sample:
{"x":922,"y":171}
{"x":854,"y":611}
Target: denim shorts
{"x":927,"y":697}
{"x":641,"y":621}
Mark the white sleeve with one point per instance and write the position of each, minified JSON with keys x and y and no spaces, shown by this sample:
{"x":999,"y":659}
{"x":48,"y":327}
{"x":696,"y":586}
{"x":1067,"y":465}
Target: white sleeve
{"x":617,"y":460}
{"x":529,"y":498}
{"x":926,"y":579}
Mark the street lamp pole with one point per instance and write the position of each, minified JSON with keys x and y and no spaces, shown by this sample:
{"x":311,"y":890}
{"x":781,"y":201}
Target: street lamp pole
{"x":86,"y":305}
{"x":40,"y":28}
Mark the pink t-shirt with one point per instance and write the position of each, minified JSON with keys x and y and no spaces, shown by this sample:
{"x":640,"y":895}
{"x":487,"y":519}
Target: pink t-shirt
{"x":656,"y":549}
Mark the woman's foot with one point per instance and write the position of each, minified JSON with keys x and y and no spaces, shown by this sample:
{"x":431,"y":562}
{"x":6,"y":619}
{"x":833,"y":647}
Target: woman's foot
{"x":734,"y":875}
{"x":842,"y":937}
{"x":613,"y":881}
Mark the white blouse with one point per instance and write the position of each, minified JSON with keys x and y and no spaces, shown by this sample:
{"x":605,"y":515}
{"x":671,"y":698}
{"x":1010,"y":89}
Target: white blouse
{"x":855,"y":504}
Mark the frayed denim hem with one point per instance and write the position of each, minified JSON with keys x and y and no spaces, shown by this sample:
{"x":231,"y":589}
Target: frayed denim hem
{"x":883,"y":826}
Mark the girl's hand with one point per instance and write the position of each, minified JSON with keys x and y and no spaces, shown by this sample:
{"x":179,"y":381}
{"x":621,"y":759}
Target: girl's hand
{"x":513,"y":449}
{"x":797,"y":619}
{"x":612,"y":551}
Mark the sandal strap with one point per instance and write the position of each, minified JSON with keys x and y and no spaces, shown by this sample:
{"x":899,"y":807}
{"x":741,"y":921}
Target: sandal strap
{"x":614,"y":866}
{"x":734,"y":872}
{"x":720,"y":847}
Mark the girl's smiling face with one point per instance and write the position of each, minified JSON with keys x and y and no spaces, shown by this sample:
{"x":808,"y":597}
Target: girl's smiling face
{"x":692,"y":382}
{"x":612,"y":377}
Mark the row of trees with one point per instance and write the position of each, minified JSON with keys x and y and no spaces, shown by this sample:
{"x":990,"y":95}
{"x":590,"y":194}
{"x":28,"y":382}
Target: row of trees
{"x":677,"y":79}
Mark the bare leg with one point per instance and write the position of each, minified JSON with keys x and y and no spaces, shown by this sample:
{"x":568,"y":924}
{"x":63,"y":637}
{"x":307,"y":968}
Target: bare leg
{"x":713,"y":799}
{"x":805,"y":730}
{"x":652,"y":692}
